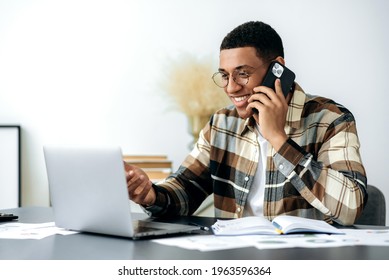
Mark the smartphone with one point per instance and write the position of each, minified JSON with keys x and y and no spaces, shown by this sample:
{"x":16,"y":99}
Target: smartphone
{"x":7,"y":217}
{"x":278,"y":71}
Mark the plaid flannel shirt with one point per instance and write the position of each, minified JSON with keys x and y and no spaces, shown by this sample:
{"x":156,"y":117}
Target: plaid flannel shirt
{"x":317,"y":173}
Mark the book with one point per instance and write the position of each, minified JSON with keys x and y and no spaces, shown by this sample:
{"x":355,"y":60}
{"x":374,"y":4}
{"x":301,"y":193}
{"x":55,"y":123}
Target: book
{"x":280,"y":225}
{"x":157,"y":167}
{"x":148,"y":163}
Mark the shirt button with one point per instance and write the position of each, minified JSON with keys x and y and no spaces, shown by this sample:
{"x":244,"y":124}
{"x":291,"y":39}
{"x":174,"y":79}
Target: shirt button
{"x":246,"y":178}
{"x":281,"y":166}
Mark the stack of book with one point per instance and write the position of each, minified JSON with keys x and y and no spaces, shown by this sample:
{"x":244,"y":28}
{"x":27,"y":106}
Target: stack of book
{"x":157,"y":167}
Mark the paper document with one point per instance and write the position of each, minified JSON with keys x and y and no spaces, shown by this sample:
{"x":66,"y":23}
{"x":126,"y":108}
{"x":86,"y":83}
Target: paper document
{"x":204,"y":242}
{"x":31,"y":231}
{"x":351,"y":237}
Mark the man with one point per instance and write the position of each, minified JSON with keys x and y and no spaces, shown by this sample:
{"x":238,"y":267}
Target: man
{"x":294,"y":155}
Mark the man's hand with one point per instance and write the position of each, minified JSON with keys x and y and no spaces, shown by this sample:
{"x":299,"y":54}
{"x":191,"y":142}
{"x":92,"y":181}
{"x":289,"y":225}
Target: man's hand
{"x":272,"y":109}
{"x":139,"y":186}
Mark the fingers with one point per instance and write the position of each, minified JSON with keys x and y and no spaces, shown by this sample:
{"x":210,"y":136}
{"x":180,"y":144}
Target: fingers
{"x":266,"y":94}
{"x":267,"y":98}
{"x":255,"y":104}
{"x":260,"y":101}
{"x":278,"y":87}
{"x":138,"y":192}
{"x":136,"y":183}
{"x":139,"y":186}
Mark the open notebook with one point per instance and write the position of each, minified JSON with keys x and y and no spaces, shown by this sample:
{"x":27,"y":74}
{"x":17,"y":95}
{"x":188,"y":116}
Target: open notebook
{"x":88,"y":192}
{"x":283,"y":224}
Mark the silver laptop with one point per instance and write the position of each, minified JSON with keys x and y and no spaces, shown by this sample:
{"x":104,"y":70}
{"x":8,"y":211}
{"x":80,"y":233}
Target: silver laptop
{"x":88,"y":192}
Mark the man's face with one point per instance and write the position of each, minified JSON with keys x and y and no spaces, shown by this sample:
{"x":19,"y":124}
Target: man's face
{"x":238,"y":62}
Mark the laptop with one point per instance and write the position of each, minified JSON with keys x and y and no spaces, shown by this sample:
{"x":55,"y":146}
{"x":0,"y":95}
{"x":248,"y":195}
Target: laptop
{"x":88,"y":192}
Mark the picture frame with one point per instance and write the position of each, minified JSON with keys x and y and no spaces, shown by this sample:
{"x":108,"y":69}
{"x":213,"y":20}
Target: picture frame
{"x":10,"y":166}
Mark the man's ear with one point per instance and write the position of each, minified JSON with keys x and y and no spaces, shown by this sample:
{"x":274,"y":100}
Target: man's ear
{"x":280,"y":59}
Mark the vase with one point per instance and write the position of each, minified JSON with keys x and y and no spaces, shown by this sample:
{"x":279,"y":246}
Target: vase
{"x":196,"y":124}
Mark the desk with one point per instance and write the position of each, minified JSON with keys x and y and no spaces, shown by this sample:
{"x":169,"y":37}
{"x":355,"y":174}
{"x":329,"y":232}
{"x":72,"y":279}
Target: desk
{"x":97,"y":247}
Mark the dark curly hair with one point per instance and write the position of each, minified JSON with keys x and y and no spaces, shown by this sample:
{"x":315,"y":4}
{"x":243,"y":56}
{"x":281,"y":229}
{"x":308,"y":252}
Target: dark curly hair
{"x":255,"y":34}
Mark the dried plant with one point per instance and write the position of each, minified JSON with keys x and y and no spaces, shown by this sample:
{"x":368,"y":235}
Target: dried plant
{"x":189,"y":84}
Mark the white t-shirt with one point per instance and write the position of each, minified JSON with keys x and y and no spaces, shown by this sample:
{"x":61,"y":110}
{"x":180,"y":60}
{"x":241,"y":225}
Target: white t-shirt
{"x":254,"y":204}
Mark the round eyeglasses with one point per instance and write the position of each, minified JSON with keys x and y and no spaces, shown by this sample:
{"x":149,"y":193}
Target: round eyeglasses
{"x":240,"y":76}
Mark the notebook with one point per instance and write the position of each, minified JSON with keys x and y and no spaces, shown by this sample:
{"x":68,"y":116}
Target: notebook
{"x":88,"y":193}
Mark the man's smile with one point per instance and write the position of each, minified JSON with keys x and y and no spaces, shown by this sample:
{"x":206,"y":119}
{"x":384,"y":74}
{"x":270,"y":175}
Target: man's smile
{"x":241,"y":98}
{"x":240,"y":101}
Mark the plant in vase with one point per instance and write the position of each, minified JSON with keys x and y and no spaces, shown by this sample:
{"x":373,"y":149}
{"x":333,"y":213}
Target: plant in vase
{"x":188,"y":83}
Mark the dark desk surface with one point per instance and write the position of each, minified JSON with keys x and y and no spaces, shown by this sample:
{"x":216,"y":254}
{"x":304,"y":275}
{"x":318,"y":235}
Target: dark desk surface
{"x":95,"y":247}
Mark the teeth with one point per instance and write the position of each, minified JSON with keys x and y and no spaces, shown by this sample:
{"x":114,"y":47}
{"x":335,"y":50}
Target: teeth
{"x":241,"y":98}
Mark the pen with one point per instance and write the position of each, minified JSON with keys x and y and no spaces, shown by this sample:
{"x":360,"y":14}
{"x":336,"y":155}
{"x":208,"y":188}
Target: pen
{"x":200,"y":226}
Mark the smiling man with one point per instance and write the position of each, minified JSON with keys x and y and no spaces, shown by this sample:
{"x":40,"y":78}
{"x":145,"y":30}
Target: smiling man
{"x":266,"y":154}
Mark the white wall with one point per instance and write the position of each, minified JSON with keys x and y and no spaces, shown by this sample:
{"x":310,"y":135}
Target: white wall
{"x":79,"y":72}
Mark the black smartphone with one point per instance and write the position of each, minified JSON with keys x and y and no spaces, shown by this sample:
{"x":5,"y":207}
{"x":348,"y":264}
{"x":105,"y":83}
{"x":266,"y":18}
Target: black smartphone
{"x":278,"y":71}
{"x":7,"y":217}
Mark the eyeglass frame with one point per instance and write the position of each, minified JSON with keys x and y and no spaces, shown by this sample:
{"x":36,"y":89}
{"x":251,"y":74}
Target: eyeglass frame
{"x":237,"y":69}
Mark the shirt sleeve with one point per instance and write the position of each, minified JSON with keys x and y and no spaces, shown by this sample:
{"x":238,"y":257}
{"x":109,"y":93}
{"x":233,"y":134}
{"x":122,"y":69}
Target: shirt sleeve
{"x":334,"y":182}
{"x":183,"y":191}
{"x":161,"y":203}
